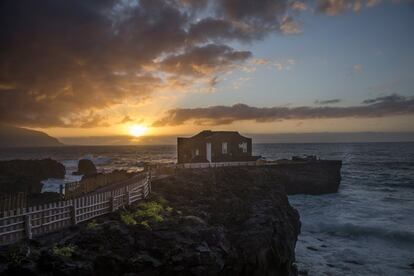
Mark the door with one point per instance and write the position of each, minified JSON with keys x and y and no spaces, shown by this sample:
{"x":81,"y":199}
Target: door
{"x":208,"y":153}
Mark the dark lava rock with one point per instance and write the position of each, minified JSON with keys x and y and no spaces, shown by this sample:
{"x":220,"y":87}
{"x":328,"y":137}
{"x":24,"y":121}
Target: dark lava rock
{"x":86,"y":167}
{"x":258,"y":228}
{"x":318,"y":177}
{"x":213,"y":222}
{"x":26,"y":175}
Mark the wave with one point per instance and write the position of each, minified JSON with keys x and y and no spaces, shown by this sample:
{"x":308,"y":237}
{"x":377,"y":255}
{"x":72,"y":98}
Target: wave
{"x":353,"y":230}
{"x":99,"y":160}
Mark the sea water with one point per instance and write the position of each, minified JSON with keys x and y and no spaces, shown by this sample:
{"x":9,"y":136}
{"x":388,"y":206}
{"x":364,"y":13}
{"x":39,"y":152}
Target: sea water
{"x":367,"y":228}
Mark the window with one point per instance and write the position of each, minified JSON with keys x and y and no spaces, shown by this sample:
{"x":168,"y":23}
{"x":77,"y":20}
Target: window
{"x":243,"y":146}
{"x":224,"y":148}
{"x":197,"y":152}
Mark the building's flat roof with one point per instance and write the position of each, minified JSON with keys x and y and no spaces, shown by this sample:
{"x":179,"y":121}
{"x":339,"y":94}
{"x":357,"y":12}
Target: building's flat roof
{"x":210,"y":133}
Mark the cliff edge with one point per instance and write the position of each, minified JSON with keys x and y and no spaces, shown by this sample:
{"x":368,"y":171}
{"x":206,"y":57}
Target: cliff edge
{"x":227,"y":221}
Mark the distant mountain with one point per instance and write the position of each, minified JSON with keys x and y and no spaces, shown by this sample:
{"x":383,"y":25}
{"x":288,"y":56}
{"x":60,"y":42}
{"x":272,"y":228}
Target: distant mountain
{"x":22,"y":137}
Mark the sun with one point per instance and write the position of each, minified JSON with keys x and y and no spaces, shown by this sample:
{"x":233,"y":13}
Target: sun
{"x":137,"y":130}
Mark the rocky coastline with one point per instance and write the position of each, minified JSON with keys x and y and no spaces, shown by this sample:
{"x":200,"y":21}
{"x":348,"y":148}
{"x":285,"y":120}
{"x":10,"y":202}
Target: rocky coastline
{"x":225,"y":222}
{"x":313,"y":177}
{"x":221,"y":221}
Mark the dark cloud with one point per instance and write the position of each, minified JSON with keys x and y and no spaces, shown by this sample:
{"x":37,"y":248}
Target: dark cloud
{"x":394,"y":98}
{"x":216,"y":29}
{"x":203,"y":60}
{"x":333,"y":101}
{"x":218,"y":115}
{"x":335,"y":7}
{"x":60,"y":60}
{"x":261,"y":14}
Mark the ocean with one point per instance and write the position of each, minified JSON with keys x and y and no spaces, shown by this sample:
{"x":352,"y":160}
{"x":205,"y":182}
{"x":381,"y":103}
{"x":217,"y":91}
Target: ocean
{"x":367,"y":228}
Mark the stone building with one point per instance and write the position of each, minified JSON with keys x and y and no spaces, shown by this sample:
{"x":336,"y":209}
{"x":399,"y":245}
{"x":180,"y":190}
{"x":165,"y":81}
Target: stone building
{"x":215,"y":146}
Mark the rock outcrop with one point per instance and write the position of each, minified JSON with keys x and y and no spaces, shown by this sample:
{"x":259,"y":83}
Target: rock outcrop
{"x":314,"y":177}
{"x":226,"y":221}
{"x":26,"y":175}
{"x":86,"y":168}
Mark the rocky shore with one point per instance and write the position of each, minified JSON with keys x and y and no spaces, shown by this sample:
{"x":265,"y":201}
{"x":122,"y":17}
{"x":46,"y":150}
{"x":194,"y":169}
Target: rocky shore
{"x":314,"y":178}
{"x":226,"y":221}
{"x":26,"y":175}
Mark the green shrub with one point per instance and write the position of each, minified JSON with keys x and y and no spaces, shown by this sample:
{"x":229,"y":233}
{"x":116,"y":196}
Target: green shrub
{"x":128,"y":218}
{"x":150,"y":211}
{"x":64,"y":251}
{"x":146,"y":213}
{"x":145,"y":224}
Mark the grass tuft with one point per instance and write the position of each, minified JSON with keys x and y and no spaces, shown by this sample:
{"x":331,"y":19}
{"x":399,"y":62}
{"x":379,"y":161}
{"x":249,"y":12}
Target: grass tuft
{"x":64,"y":251}
{"x":147,"y":213}
{"x":128,"y":218}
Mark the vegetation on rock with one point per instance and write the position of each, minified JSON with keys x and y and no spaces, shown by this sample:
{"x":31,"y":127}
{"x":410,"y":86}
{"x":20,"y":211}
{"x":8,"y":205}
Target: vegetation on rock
{"x":201,"y":222}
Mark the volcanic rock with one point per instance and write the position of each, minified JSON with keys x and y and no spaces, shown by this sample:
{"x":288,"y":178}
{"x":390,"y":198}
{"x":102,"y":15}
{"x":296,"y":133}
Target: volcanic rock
{"x":26,"y":175}
{"x":86,"y":168}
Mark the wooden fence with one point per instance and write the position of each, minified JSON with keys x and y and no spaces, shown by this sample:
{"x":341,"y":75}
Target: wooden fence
{"x":79,"y":188}
{"x":30,"y":222}
{"x":13,"y":201}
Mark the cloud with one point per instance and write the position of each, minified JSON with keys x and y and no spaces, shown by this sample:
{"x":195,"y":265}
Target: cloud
{"x":219,"y":115}
{"x":204,"y":60}
{"x":333,"y":101}
{"x":60,"y":60}
{"x":260,"y":61}
{"x":284,"y":64}
{"x":290,"y":26}
{"x":126,"y":119}
{"x":239,"y":82}
{"x":394,"y":98}
{"x":91,"y":120}
{"x":298,"y":6}
{"x":335,"y":7}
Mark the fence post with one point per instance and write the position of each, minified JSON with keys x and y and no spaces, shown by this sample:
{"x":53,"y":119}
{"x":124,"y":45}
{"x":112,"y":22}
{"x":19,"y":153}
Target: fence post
{"x":143,"y":188}
{"x":112,"y":200}
{"x":73,"y":212}
{"x":28,"y":226}
{"x":128,"y":195}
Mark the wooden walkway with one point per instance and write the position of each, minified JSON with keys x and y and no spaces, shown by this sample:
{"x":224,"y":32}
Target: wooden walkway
{"x":30,"y":222}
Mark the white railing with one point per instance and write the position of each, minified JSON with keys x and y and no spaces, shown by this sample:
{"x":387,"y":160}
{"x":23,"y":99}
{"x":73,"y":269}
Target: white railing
{"x":215,"y":164}
{"x":34,"y":221}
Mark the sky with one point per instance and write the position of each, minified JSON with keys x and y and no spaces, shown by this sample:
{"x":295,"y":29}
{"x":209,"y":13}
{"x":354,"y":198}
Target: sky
{"x":153,"y":67}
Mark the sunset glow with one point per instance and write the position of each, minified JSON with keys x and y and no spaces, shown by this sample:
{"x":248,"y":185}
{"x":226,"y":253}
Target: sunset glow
{"x":138,"y":130}
{"x":323,"y":66}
